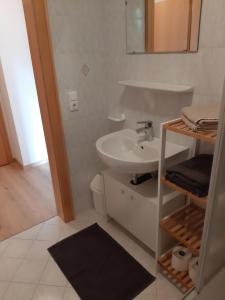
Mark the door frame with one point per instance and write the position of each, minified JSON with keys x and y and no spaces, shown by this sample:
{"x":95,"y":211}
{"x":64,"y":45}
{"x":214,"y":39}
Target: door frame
{"x":36,"y":17}
{"x":4,"y":136}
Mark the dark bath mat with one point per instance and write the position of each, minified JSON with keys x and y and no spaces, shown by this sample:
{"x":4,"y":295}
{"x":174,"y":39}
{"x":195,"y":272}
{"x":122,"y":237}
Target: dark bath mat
{"x":98,"y":267}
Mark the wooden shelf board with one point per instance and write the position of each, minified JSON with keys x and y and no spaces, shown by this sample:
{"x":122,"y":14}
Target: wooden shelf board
{"x":179,"y":126}
{"x":202,"y":201}
{"x":186,"y":226}
{"x":180,"y":279}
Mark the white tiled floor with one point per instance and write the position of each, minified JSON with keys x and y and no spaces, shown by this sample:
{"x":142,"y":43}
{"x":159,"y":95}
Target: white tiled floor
{"x":27,"y":272}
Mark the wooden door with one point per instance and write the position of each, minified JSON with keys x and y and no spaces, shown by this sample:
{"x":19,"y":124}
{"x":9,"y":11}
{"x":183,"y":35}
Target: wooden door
{"x":171,"y":25}
{"x":149,"y":25}
{"x":5,"y":151}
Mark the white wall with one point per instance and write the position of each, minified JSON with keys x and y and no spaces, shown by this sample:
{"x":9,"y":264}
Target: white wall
{"x":93,"y":32}
{"x":8,"y":118}
{"x":20,"y":84}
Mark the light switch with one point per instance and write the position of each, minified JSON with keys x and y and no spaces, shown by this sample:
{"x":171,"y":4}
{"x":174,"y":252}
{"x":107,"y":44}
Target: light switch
{"x":73,"y":95}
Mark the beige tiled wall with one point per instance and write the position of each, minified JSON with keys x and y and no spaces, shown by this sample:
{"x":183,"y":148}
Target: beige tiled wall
{"x":79,"y":39}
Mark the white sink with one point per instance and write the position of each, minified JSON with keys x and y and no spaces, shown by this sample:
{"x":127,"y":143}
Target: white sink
{"x":123,"y":152}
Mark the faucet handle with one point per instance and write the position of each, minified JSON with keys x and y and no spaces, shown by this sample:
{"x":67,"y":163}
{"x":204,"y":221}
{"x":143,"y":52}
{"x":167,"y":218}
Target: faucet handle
{"x":148,"y":124}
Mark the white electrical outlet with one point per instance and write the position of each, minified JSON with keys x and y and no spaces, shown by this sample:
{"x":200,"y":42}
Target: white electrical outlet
{"x":74,"y":105}
{"x":73,"y":100}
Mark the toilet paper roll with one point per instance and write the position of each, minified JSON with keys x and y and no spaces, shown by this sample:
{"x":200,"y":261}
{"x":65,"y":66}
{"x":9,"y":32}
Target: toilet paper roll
{"x":193,"y":269}
{"x":180,"y":258}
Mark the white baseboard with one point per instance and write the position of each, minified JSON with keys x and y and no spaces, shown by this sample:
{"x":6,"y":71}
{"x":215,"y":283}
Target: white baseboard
{"x":36,"y":164}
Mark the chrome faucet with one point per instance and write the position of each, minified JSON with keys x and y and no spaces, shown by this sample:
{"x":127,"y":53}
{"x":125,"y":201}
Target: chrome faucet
{"x":147,"y":130}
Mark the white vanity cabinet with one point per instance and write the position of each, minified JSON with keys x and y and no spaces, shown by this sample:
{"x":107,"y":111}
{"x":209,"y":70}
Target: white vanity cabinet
{"x":131,"y":210}
{"x":135,"y":207}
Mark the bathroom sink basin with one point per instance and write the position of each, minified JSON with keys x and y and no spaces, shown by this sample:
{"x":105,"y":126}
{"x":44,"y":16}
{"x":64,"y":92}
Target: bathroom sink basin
{"x":123,"y":152}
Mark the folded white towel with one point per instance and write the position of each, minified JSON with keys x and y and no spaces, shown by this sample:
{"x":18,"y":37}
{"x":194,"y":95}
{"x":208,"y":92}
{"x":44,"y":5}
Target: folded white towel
{"x":195,"y":127}
{"x":201,"y":116}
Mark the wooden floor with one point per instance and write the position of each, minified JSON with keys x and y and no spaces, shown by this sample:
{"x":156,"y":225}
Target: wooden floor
{"x":26,"y":198}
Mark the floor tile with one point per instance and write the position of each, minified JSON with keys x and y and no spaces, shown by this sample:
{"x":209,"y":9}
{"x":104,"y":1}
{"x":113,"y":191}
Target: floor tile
{"x":84,"y":220}
{"x":89,"y":215}
{"x":70,"y":294}
{"x":19,"y":291}
{"x":3,"y":246}
{"x":170,"y":298}
{"x":54,"y":221}
{"x":150,"y":293}
{"x":30,"y":271}
{"x":67,"y":231}
{"x":118,"y":235}
{"x":29,"y":234}
{"x":17,"y":248}
{"x":3,"y":287}
{"x":24,"y":259}
{"x":49,"y":232}
{"x":144,"y":258}
{"x":147,"y":297}
{"x":39,"y":250}
{"x":44,"y":292}
{"x":165,"y":290}
{"x":52,"y":275}
{"x":8,"y":267}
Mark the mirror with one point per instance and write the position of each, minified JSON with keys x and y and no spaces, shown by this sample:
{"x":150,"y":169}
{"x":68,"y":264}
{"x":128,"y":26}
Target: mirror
{"x":162,"y":26}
